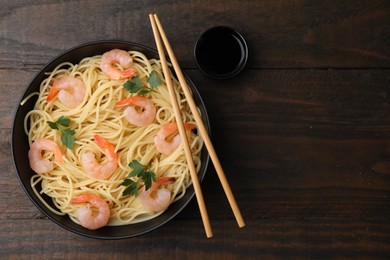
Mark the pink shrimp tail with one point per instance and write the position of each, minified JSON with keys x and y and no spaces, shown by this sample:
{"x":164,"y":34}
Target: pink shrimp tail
{"x":82,"y":198}
{"x":101,"y":141}
{"x":161,"y":181}
{"x":165,"y":180}
{"x":172,"y":127}
{"x":125,"y":102}
{"x":129,"y":73}
{"x":188,"y":126}
{"x":58,"y":157}
{"x":52,"y":93}
{"x":110,"y":150}
{"x":129,"y":101}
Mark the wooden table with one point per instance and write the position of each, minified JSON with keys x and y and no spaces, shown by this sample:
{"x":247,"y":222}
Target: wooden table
{"x":303,"y":133}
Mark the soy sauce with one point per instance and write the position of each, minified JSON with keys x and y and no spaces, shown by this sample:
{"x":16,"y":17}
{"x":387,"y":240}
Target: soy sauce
{"x":221,"y":52}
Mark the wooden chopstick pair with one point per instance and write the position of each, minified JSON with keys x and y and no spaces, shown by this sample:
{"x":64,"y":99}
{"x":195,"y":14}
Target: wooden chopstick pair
{"x":157,"y":32}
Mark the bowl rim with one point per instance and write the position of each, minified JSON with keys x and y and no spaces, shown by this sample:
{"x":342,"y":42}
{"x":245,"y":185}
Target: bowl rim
{"x":87,"y":232}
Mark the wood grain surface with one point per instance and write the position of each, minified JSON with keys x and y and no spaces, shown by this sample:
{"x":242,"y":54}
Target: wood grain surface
{"x":303,"y":133}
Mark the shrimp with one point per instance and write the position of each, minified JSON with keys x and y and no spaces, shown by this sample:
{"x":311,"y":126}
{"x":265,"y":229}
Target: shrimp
{"x":141,"y":111}
{"x":167,"y":139}
{"x":157,"y":200}
{"x":71,"y":91}
{"x":37,"y":163}
{"x":86,"y":215}
{"x":123,"y":58}
{"x":91,"y":165}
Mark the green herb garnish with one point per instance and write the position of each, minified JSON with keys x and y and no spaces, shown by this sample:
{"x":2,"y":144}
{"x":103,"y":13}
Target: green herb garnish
{"x":154,"y":79}
{"x":144,"y":175}
{"x":136,"y":86}
{"x":67,"y":134}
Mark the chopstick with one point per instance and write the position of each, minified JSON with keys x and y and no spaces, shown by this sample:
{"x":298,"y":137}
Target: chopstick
{"x":179,"y":121}
{"x":213,"y":155}
{"x":201,"y":128}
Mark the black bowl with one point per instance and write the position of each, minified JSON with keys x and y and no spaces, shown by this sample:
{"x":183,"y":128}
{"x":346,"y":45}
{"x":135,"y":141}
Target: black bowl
{"x":20,"y":146}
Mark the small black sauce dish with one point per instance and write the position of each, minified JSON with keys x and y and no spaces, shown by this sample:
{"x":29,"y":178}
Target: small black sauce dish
{"x":221,"y":52}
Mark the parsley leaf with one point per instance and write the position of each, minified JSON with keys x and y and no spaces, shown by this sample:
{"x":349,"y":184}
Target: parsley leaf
{"x":148,"y":178}
{"x":67,"y":134}
{"x":144,"y":92}
{"x":137,"y":167}
{"x":53,"y":125}
{"x":63,"y":121}
{"x":132,"y":187}
{"x":136,"y":86}
{"x":154,"y":79}
{"x":143,"y":173}
{"x":67,"y":137}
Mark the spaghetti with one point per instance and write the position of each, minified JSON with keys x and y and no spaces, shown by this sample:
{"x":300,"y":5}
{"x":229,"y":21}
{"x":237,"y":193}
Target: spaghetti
{"x":98,"y":115}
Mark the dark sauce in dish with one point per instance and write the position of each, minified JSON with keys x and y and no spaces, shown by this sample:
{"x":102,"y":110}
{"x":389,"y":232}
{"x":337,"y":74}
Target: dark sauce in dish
{"x":220,"y":52}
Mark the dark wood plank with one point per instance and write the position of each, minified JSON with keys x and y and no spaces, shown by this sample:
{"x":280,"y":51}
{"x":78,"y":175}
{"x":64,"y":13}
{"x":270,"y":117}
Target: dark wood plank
{"x":295,"y":238}
{"x":13,"y":84}
{"x":41,"y":239}
{"x":291,"y":34}
{"x":311,"y":149}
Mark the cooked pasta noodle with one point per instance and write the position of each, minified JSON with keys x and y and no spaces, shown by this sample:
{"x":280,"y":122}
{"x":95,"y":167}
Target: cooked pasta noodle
{"x":97,"y":114}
